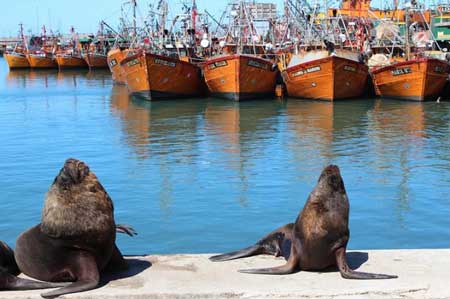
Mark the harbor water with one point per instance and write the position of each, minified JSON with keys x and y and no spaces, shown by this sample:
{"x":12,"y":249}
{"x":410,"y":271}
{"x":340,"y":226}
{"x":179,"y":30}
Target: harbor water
{"x":210,"y":175}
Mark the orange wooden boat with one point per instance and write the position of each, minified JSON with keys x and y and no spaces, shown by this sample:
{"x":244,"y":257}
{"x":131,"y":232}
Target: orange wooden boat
{"x":41,"y":60}
{"x":16,"y":60}
{"x":70,"y":60}
{"x":159,"y":77}
{"x":320,"y":76}
{"x":114,"y":58}
{"x":96,"y":60}
{"x":418,"y":79}
{"x":238,"y":77}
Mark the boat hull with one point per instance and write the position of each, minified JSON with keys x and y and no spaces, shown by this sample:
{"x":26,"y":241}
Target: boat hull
{"x":240,"y":77}
{"x":158,"y":77}
{"x":330,"y":78}
{"x":69,"y":61}
{"x":96,"y":61}
{"x":416,"y":80}
{"x":114,"y":58}
{"x":40,"y":61}
{"x":16,"y":60}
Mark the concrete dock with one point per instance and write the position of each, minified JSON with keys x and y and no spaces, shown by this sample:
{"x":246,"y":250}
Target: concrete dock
{"x":422,"y":274}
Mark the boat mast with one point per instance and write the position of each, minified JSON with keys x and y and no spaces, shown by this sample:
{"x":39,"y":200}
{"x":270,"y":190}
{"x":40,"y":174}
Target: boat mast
{"x":22,"y":36}
{"x":407,"y":45}
{"x":194,"y":15}
{"x":240,"y":17}
{"x":133,"y":3}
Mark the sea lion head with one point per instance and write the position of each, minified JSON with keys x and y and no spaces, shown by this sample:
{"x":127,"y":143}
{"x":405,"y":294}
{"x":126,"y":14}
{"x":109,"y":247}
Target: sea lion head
{"x":73,"y":173}
{"x":77,"y":204}
{"x":331,"y":180}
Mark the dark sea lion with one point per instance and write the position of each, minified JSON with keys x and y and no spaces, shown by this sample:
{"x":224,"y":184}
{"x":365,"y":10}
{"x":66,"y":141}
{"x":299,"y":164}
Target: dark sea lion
{"x":75,"y":240}
{"x":318,"y":238}
{"x":9,"y":271}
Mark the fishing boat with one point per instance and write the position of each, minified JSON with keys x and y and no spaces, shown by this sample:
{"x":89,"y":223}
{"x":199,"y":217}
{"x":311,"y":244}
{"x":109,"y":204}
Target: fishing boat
{"x":242,"y":68}
{"x":328,"y":63}
{"x":416,"y":79}
{"x":96,"y":60}
{"x":41,"y":51}
{"x":42,"y":59}
{"x":70,"y":59}
{"x":121,"y":47}
{"x":168,"y":69}
{"x":69,"y":56}
{"x":321,"y":75}
{"x":154,"y":76}
{"x":114,"y":58}
{"x":17,"y":58}
{"x":419,"y":77}
{"x":96,"y":54}
{"x":239,"y":77}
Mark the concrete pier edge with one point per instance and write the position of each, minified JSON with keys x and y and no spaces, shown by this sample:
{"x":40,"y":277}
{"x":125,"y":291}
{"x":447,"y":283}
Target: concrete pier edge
{"x":422,"y":273}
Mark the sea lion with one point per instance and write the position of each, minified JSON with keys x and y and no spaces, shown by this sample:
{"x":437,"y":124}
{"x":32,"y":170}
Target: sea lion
{"x":75,"y":240}
{"x":9,"y":272}
{"x":318,"y":238}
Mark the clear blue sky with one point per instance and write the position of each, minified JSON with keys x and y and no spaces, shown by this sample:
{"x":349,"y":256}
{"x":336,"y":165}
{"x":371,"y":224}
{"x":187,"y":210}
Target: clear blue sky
{"x":85,"y":15}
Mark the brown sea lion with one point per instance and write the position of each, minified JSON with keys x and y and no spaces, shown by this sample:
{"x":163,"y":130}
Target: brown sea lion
{"x":318,"y":238}
{"x":75,"y":240}
{"x":9,"y":270}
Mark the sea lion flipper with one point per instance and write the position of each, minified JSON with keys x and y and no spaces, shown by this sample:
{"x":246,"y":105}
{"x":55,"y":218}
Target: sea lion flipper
{"x":126,"y":229}
{"x":246,"y":252}
{"x":348,"y":273}
{"x":87,"y":275}
{"x":117,"y":261}
{"x":75,"y":287}
{"x":288,"y":268}
{"x":14,"y":283}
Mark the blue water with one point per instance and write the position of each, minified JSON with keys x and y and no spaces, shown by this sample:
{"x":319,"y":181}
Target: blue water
{"x":206,"y":175}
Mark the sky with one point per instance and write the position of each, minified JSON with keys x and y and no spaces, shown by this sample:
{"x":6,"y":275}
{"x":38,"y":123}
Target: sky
{"x":85,"y":15}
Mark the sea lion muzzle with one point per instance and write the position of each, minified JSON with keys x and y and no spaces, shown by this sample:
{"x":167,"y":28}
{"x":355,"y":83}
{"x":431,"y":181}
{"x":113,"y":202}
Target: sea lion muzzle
{"x":72,"y":173}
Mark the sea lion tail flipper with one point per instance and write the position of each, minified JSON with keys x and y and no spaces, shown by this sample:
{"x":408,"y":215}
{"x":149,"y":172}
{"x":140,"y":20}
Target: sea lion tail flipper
{"x":348,"y":273}
{"x":246,"y":252}
{"x":87,"y":275}
{"x":126,"y":229}
{"x":288,"y":268}
{"x":14,"y":283}
{"x":79,"y":286}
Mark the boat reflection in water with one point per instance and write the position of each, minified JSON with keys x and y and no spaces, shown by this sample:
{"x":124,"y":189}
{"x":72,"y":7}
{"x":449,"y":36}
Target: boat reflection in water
{"x":51,"y":78}
{"x":404,"y":120}
{"x":324,"y":131}
{"x":164,"y":134}
{"x":158,"y":128}
{"x":238,"y":134}
{"x":398,"y":131}
{"x":135,"y":120}
{"x":31,"y":78}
